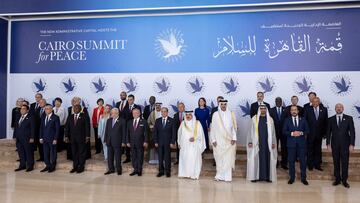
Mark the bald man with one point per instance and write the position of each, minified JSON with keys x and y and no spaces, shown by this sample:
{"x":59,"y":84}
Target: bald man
{"x":340,"y":140}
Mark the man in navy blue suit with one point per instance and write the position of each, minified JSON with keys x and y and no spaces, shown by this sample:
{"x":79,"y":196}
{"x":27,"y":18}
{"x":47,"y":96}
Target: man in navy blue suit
{"x":24,"y":132}
{"x":49,"y":132}
{"x":164,"y":139}
{"x":278,"y":114}
{"x":296,"y":130}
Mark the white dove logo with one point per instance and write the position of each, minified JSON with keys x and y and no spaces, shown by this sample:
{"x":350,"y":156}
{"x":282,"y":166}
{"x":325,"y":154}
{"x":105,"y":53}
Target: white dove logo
{"x":169,"y":45}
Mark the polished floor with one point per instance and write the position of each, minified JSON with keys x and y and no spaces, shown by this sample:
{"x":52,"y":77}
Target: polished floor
{"x":95,"y":187}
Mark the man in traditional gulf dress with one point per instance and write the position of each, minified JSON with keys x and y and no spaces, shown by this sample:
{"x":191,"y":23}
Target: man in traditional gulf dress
{"x":191,"y":142}
{"x":223,"y":139}
{"x":261,"y":148}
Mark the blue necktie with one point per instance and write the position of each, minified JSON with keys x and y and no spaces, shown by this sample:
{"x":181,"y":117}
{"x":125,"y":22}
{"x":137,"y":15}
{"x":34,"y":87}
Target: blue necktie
{"x":113,"y":122}
{"x":279,"y":113}
{"x":164,"y":123}
{"x":316,"y":113}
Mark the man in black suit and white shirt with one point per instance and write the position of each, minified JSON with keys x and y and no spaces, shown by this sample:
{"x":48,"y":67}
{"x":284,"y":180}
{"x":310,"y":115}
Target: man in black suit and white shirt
{"x":24,"y":132}
{"x":35,"y":106}
{"x":317,"y":118}
{"x":178,"y":119}
{"x":137,"y":140}
{"x":122,"y":104}
{"x":278,"y":114}
{"x":340,"y":140}
{"x":77,"y":132}
{"x":294,"y":102}
{"x":260,"y":101}
{"x":164,"y":139}
{"x":115,"y":138}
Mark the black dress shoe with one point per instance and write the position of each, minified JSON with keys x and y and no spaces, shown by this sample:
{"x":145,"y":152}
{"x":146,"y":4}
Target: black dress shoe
{"x":127,"y":161}
{"x":29,"y":169}
{"x":319,"y":168}
{"x":119,"y":173}
{"x":140,"y":174}
{"x":20,"y":169}
{"x":305,"y":182}
{"x":159,"y":175}
{"x":45,"y":169}
{"x":73,"y":170}
{"x":168,"y":175}
{"x":133,"y":173}
{"x":109,"y":172}
{"x":290,"y":182}
{"x":335,"y":183}
{"x":310,"y":168}
{"x":284,"y":167}
{"x":176,"y":163}
{"x":51,"y":170}
{"x":254,"y":181}
{"x":345,"y":184}
{"x":80,"y":170}
{"x":40,"y":160}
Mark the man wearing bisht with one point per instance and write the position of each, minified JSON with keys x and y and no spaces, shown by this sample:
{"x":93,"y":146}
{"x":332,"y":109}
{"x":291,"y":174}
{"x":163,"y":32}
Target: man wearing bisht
{"x":223,"y":139}
{"x":261,"y":148}
{"x":191,"y":142}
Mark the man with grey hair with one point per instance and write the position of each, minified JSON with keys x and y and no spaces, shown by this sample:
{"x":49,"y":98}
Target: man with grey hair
{"x":38,"y":115}
{"x":77,"y":101}
{"x":49,"y":132}
{"x":115,"y":138}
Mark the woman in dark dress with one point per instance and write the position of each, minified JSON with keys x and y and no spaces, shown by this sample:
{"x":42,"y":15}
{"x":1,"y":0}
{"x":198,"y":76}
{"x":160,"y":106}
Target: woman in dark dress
{"x":202,"y":114}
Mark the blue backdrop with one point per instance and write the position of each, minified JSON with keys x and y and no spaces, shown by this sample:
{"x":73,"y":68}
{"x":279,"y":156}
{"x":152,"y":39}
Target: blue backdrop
{"x":21,"y":6}
{"x":3,"y":76}
{"x":322,"y":40}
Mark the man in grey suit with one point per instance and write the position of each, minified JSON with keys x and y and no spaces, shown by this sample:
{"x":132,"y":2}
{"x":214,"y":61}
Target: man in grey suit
{"x":115,"y":139}
{"x":137,"y":140}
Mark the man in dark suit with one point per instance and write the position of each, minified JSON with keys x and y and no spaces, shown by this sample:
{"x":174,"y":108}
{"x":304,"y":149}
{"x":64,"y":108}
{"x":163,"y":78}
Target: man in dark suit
{"x":49,"y":132}
{"x":127,"y":115}
{"x":122,"y":104}
{"x":178,"y":118}
{"x":38,"y":115}
{"x":77,"y":132}
{"x":24,"y":133}
{"x":317,"y":117}
{"x":164,"y":138}
{"x":294,"y":102}
{"x":35,"y":106}
{"x":311,"y":96}
{"x":278,"y":114}
{"x":149,"y":108}
{"x":340,"y":140}
{"x":215,"y":109}
{"x":77,"y":101}
{"x":260,"y":101}
{"x":137,"y":136}
{"x":115,"y":138}
{"x":296,"y":130}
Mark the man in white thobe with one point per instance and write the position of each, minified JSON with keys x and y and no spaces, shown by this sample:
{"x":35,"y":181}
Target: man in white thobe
{"x":261,"y":148}
{"x":223,"y":139}
{"x":191,"y":142}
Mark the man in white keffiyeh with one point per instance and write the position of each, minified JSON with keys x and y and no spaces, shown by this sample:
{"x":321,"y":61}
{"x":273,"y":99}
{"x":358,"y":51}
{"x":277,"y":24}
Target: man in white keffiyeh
{"x":261,"y":148}
{"x":223,"y":139}
{"x":191,"y":141}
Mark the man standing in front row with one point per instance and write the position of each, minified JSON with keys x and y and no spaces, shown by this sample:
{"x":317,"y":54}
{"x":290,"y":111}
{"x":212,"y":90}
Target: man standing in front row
{"x":77,"y":132}
{"x":340,"y":140}
{"x":137,"y":136}
{"x":296,"y":129}
{"x":24,"y":132}
{"x":191,"y":142}
{"x":164,"y":139}
{"x":261,"y":148}
{"x":115,"y":137}
{"x":223,"y":138}
{"x":49,"y":133}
